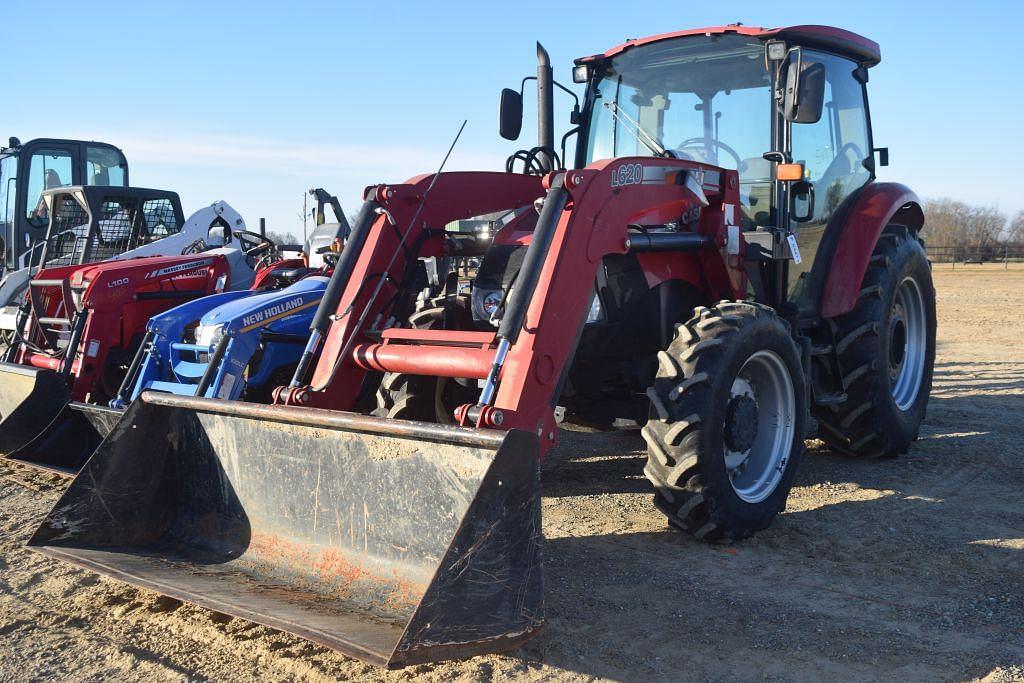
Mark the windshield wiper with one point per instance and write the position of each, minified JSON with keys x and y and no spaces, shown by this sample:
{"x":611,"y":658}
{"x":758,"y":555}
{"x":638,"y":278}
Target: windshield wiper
{"x":648,"y":140}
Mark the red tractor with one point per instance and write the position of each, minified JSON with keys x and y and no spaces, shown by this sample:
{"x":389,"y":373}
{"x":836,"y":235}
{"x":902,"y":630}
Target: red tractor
{"x":719,"y":266}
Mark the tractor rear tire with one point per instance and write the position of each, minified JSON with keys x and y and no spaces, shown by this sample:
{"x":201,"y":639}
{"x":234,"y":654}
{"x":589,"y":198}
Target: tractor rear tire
{"x":727,"y":416}
{"x":886,"y":348}
{"x":420,"y":397}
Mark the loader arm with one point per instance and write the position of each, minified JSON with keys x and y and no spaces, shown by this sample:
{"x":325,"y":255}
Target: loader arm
{"x":588,"y":215}
{"x":382,"y":253}
{"x":595,"y":223}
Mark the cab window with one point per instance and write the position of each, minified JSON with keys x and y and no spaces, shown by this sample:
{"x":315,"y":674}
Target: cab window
{"x":47,"y":169}
{"x":160,"y":218}
{"x":104,"y":166}
{"x":832,"y":150}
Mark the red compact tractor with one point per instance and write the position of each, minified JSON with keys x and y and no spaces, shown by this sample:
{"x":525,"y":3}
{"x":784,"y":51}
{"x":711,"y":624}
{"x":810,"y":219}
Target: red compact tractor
{"x":84,"y":317}
{"x":718,"y":267}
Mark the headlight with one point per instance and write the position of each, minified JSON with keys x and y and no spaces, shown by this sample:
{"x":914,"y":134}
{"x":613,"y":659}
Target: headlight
{"x":209,"y":335}
{"x":485,"y":303}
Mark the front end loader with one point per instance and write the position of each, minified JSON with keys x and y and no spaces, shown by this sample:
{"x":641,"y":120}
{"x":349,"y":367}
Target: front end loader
{"x":658,"y":283}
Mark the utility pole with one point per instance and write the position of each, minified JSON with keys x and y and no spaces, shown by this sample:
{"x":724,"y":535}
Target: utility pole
{"x":305,"y":214}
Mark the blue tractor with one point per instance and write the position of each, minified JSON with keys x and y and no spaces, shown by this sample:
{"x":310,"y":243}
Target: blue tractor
{"x":244,"y":344}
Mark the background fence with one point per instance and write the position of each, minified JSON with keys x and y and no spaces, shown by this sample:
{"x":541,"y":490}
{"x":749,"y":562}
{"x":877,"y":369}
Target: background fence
{"x":993,"y":253}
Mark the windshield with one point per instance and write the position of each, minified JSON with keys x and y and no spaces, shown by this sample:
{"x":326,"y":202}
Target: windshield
{"x":706,"y":98}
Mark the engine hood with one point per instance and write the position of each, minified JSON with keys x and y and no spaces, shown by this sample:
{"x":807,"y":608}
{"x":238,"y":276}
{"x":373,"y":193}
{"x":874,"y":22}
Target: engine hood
{"x":261,"y":310}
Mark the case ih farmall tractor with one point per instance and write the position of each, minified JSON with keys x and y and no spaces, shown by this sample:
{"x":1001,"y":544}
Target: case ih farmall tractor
{"x":718,"y":265}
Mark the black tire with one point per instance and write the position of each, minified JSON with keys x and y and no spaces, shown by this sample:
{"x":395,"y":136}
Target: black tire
{"x":870,"y":424}
{"x":686,"y":432}
{"x":420,"y":397}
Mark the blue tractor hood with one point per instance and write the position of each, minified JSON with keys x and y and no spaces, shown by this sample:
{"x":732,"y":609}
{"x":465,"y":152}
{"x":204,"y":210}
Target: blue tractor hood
{"x":265,"y":310}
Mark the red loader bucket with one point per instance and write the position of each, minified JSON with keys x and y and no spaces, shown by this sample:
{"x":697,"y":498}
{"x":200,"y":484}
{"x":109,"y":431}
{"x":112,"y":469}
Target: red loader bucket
{"x":394,"y":542}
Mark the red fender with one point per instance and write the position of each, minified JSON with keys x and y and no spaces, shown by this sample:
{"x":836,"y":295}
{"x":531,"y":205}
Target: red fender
{"x":876,"y":206}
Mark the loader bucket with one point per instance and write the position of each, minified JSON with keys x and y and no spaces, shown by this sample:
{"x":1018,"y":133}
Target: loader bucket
{"x":30,"y":399}
{"x":70,"y":438}
{"x":393,"y":542}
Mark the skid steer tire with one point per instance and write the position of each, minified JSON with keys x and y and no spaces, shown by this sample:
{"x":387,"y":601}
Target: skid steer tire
{"x":419,"y":397}
{"x":884,"y":407}
{"x":702,"y":416}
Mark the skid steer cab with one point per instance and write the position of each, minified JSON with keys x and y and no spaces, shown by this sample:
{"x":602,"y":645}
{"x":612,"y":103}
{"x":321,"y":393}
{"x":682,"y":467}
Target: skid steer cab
{"x":718,"y":265}
{"x":27,"y":169}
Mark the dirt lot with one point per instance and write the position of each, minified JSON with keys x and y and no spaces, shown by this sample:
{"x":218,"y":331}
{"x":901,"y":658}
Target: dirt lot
{"x":904,"y":569}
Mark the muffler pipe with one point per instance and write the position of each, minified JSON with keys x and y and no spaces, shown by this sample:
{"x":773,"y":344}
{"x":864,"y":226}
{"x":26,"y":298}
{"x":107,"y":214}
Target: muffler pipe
{"x":545,"y":109}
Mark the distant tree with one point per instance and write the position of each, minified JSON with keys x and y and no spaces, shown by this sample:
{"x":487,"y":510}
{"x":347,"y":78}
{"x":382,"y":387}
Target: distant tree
{"x":1016,"y":231}
{"x":282,"y":237}
{"x":952,"y":223}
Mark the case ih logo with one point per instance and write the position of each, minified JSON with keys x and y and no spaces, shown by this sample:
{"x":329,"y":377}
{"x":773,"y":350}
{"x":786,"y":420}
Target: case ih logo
{"x":273,"y":311}
{"x":181,"y":267}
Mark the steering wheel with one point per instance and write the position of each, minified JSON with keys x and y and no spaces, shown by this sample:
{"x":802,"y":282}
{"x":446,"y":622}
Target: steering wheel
{"x":258,"y":250}
{"x":841,"y":157}
{"x":252,"y":243}
{"x":196,"y":247}
{"x":708,"y":142}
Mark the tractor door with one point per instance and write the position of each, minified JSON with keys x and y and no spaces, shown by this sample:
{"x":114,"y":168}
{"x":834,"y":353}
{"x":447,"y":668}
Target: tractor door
{"x":832,"y":150}
{"x":8,"y":201}
{"x":44,"y":165}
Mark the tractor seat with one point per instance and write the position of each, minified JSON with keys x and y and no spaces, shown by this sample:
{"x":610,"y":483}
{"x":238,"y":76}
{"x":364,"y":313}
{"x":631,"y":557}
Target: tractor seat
{"x":287,"y":276}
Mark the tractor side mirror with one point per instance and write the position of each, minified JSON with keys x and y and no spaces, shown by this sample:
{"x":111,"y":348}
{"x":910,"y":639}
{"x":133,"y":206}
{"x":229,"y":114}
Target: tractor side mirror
{"x":801,"y":196}
{"x":805,"y":92}
{"x":510,"y":114}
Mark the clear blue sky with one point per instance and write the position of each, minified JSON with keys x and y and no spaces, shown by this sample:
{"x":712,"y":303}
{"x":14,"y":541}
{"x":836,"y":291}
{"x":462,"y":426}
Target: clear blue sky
{"x":255,"y":102}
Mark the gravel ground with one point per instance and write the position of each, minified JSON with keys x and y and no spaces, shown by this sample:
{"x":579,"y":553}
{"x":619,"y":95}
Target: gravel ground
{"x":909,"y":569}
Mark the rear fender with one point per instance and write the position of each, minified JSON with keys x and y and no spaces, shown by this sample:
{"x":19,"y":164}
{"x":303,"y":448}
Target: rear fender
{"x":850,"y":240}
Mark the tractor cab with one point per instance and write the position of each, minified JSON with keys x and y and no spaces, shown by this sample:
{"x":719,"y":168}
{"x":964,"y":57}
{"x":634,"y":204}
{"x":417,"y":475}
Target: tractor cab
{"x":28,"y":169}
{"x":786,"y":108}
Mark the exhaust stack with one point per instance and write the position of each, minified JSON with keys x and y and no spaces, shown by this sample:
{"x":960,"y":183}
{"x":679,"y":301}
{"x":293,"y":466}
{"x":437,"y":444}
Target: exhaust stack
{"x":545,"y":108}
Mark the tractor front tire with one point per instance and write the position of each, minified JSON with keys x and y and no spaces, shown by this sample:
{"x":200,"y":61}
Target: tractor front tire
{"x":420,"y":397}
{"x":725,"y":434}
{"x":886,"y":348}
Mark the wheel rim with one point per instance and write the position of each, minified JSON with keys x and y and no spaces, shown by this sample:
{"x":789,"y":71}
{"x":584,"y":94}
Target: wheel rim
{"x":759,"y":460}
{"x":907,"y":344}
